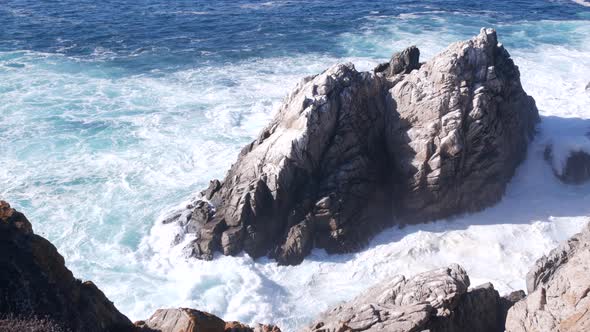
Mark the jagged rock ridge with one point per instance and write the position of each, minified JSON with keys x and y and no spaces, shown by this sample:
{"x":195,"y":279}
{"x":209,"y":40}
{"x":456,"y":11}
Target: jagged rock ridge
{"x":349,"y":153}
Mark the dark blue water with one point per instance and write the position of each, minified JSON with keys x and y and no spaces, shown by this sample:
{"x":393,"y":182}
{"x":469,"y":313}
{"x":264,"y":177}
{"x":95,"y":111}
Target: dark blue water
{"x":183,"y":33}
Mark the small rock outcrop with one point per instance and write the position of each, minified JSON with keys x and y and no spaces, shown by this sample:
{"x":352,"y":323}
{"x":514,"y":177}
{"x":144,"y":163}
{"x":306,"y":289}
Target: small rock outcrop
{"x":34,"y":282}
{"x":182,"y":320}
{"x":558,"y":288}
{"x":191,"y":320}
{"x":349,"y":153}
{"x":401,"y":63}
{"x":436,"y":301}
{"x":574,"y":166}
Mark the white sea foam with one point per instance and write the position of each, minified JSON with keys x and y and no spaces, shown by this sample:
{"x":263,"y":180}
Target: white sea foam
{"x":93,"y":155}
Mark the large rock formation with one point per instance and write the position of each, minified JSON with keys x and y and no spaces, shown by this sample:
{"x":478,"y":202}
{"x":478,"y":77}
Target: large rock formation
{"x":34,"y":281}
{"x":436,"y":301}
{"x":558,"y":287}
{"x":39,"y":293}
{"x":351,"y":152}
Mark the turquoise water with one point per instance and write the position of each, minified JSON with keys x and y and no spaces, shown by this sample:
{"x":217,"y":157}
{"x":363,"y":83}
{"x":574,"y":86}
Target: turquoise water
{"x":112,"y":113}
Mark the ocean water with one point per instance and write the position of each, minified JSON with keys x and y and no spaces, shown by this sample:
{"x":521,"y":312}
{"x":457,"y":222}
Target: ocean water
{"x":114,"y":112}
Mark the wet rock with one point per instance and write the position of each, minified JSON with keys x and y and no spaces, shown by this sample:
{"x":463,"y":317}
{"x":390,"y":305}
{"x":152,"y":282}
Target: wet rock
{"x":558,"y":287}
{"x":350,"y":153}
{"x":34,"y":282}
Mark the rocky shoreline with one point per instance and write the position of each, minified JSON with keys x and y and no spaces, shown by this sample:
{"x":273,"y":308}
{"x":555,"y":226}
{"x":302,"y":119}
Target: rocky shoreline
{"x":348,"y":154}
{"x":38,"y":291}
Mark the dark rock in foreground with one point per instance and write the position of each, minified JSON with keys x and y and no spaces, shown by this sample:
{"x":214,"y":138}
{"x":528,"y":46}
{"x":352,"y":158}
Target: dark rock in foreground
{"x":12,"y":323}
{"x":34,"y":282}
{"x":435,"y":301}
{"x":352,"y":152}
{"x":39,"y":294}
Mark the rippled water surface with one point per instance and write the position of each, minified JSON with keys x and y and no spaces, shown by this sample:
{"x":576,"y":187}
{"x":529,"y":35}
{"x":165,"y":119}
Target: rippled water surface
{"x":113,"y":112}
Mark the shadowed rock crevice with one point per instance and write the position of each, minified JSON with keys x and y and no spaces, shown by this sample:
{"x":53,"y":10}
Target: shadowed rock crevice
{"x":350,"y":153}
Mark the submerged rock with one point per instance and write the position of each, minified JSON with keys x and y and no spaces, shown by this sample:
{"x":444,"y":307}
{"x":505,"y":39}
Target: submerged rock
{"x":34,"y":282}
{"x":558,"y":287}
{"x":571,"y":164}
{"x":436,"y":301}
{"x":349,"y":153}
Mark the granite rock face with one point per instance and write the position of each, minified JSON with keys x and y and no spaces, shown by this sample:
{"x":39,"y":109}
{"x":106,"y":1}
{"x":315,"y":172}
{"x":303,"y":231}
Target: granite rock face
{"x":34,"y":281}
{"x":349,"y":153}
{"x":558,"y":287}
{"x":437,"y":300}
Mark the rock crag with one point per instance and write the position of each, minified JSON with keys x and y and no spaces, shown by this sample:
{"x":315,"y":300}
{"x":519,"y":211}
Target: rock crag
{"x":350,"y":153}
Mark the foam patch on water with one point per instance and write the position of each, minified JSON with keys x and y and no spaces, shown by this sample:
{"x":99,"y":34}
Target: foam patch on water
{"x":94,"y":154}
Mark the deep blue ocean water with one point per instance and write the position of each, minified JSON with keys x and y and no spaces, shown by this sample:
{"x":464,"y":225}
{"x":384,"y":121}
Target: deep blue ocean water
{"x":112,"y":112}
